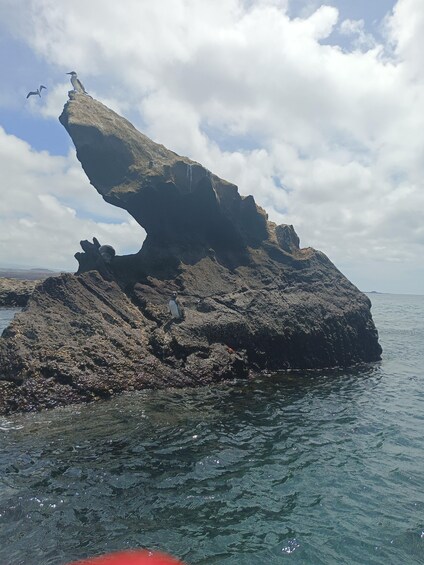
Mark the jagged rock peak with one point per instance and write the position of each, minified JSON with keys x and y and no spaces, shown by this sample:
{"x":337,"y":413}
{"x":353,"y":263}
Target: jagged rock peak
{"x":172,"y":197}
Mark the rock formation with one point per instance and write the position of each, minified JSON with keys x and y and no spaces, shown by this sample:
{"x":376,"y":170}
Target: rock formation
{"x":14,"y":292}
{"x":253,"y":299}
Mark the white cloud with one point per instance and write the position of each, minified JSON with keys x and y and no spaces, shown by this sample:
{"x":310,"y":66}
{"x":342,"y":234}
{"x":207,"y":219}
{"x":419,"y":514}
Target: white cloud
{"x":47,"y":206}
{"x":328,"y":140}
{"x":356,"y":28}
{"x":52,"y":103}
{"x":405,"y":31}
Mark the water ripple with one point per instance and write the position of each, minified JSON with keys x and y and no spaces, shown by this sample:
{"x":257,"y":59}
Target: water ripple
{"x":321,"y":468}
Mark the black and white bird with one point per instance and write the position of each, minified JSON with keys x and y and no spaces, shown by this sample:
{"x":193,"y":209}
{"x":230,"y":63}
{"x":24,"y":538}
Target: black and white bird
{"x":76,"y":83}
{"x":38,"y":91}
{"x":174,"y":307}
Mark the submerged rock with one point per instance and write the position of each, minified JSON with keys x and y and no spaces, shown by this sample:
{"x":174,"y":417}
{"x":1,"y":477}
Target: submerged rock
{"x":253,"y":300}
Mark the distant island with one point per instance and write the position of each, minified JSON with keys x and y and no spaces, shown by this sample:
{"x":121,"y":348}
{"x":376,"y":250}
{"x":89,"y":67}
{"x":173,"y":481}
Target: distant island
{"x":217,"y":292}
{"x":29,"y":274}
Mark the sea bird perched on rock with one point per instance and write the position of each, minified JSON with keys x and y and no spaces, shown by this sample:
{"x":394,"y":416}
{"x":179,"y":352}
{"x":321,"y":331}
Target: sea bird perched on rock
{"x":76,"y":83}
{"x":174,"y":307}
{"x":38,"y":91}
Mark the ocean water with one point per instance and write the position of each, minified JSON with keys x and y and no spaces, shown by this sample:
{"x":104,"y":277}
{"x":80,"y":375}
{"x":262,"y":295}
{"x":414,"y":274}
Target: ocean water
{"x":311,"y":468}
{"x":6,"y":314}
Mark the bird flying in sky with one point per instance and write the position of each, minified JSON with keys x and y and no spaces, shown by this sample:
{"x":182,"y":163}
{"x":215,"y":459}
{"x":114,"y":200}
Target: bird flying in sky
{"x":38,"y":91}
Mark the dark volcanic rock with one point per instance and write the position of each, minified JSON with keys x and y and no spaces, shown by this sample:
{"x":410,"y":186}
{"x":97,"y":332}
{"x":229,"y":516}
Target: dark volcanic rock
{"x":179,"y":203}
{"x":252,"y":299}
{"x":14,"y":292}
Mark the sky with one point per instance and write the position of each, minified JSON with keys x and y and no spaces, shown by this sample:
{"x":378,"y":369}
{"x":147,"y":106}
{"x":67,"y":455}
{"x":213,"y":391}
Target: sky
{"x":315,"y":108}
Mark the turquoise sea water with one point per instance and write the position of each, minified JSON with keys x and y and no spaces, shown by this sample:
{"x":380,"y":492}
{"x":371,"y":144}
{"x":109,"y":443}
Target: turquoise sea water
{"x":313,"y":468}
